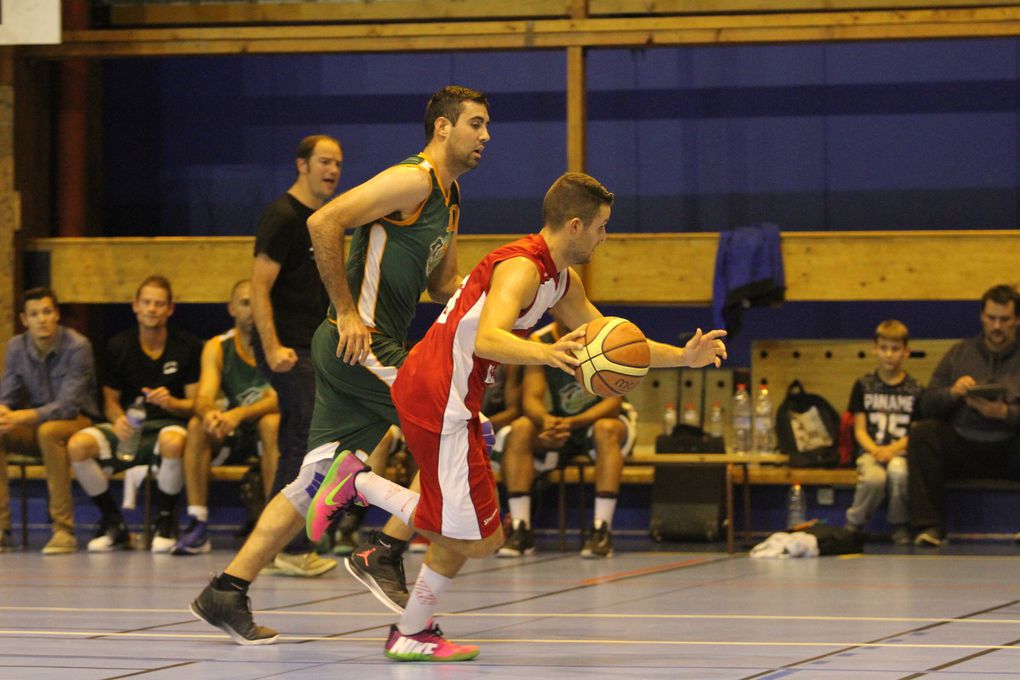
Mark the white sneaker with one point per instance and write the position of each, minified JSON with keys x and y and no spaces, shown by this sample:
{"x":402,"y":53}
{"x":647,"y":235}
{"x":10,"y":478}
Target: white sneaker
{"x":306,"y":565}
{"x":162,"y":544}
{"x":110,"y":537}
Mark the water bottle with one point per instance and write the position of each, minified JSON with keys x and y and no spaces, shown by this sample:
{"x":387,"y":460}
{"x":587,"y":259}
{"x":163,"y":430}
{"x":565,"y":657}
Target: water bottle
{"x":764,"y":427}
{"x":135,"y":414}
{"x":669,"y":419}
{"x":796,"y":506}
{"x":715,"y":421}
{"x":690,"y":415}
{"x":741,"y":444}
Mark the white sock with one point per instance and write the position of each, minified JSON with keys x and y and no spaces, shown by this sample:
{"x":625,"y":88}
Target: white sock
{"x":90,"y":476}
{"x":382,"y":493}
{"x":199,"y":512}
{"x":170,"y":478}
{"x":520,"y":510}
{"x":423,"y":601}
{"x":604,"y":509}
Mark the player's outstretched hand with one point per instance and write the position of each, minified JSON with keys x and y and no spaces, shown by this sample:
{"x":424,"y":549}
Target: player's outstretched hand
{"x":705,"y":348}
{"x":355,"y":339}
{"x":561,"y":354}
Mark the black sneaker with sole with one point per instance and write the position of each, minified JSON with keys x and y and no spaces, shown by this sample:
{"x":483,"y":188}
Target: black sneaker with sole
{"x":521,"y":541}
{"x":380,"y":568}
{"x":230,"y":611}
{"x":110,"y":535}
{"x":599,"y":542}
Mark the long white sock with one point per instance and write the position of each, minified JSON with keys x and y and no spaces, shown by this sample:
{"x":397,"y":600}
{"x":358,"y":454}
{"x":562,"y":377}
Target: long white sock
{"x":604,"y":509}
{"x":423,"y":601}
{"x":90,"y":476}
{"x":382,"y":493}
{"x":520,"y":509}
{"x":199,"y":512}
{"x":170,"y":478}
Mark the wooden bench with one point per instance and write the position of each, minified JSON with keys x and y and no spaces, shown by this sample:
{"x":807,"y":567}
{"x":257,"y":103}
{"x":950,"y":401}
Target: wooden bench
{"x":27,"y":468}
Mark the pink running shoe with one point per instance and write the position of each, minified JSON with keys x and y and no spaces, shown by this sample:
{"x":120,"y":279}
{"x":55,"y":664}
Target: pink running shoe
{"x":335,"y":496}
{"x":428,"y":645}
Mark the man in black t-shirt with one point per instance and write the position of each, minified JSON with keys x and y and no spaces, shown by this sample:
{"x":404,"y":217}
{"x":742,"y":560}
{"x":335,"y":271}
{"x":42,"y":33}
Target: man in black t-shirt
{"x":289,"y":302}
{"x":157,"y":366}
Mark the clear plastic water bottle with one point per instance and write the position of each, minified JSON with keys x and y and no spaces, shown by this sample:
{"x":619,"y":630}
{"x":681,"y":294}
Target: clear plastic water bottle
{"x":669,"y":419}
{"x":796,"y":506}
{"x":135,"y":414}
{"x":741,"y":444}
{"x":714,"y":428}
{"x":690,"y":415}
{"x":764,"y":426}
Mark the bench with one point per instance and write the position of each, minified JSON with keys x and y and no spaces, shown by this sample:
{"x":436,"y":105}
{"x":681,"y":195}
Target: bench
{"x":27,"y":468}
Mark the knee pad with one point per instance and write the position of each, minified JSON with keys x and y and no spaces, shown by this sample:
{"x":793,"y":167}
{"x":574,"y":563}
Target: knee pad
{"x":301,"y":491}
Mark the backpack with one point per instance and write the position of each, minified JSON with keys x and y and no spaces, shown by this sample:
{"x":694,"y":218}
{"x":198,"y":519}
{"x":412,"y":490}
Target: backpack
{"x":807,"y":429}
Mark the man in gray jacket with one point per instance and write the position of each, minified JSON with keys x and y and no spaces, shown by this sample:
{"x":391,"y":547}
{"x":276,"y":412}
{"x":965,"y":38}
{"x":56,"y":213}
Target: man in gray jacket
{"x":47,"y":393}
{"x":964,"y":435}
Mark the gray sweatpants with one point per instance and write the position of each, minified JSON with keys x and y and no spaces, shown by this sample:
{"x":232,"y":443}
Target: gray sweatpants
{"x":872,"y":479}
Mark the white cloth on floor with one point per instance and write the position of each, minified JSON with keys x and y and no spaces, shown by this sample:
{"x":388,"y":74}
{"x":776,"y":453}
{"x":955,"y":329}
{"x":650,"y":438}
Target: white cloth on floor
{"x":783,"y":545}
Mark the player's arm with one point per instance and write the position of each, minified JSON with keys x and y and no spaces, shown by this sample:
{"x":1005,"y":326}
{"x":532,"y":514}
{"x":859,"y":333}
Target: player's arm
{"x":609,"y":407}
{"x":444,"y":281}
{"x":575,"y":309}
{"x":264,"y":272}
{"x":395,"y":190}
{"x":114,"y":413}
{"x":533,"y":389}
{"x":861,"y":432}
{"x":267,"y":404}
{"x":210,"y":378}
{"x":513,"y":288}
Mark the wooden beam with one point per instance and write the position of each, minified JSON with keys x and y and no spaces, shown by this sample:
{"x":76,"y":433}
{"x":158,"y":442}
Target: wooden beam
{"x":542,"y":33}
{"x":311,"y":12}
{"x":615,"y":7}
{"x":658,"y":269}
{"x":10,"y":202}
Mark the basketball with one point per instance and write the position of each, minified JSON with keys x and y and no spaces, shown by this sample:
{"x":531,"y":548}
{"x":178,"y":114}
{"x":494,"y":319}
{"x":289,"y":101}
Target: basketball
{"x":614,"y":359}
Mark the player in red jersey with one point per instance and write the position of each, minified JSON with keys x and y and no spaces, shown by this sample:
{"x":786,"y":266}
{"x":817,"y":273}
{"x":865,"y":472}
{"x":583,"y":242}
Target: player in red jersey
{"x":438,"y":395}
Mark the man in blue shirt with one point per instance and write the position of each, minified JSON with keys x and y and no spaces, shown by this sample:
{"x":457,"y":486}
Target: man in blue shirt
{"x":47,"y":393}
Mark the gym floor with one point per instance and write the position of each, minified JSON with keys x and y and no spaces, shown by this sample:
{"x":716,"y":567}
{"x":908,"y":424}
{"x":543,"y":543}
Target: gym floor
{"x":642,"y":613}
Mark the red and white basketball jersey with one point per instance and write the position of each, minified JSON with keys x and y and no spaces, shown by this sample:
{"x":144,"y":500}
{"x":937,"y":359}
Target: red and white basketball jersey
{"x":440,"y":385}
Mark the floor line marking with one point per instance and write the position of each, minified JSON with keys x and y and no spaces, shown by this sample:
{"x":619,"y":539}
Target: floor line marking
{"x":644,"y":571}
{"x":545,"y":641}
{"x":551,"y":615}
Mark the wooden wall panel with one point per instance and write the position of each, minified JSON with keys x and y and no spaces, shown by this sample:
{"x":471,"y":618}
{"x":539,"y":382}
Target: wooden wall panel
{"x":661,"y":269}
{"x":829,"y":367}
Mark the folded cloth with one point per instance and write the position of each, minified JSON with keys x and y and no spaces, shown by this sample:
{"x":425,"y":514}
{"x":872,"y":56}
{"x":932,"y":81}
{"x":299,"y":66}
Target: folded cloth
{"x":748,"y":273}
{"x":783,"y":545}
{"x":133,"y":478}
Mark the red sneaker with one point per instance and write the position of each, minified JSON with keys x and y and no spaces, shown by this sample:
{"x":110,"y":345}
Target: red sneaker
{"x":428,"y":645}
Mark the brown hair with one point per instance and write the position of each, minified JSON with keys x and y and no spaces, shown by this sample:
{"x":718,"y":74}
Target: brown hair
{"x":894,"y":330}
{"x":574,"y":194}
{"x":156,"y":281}
{"x":307,"y":145}
{"x":447,"y":103}
{"x":38,"y":294}
{"x":1002,"y":294}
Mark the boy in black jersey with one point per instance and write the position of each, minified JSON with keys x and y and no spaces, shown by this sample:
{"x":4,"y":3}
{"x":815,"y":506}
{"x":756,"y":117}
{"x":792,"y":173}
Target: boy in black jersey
{"x":883,"y":403}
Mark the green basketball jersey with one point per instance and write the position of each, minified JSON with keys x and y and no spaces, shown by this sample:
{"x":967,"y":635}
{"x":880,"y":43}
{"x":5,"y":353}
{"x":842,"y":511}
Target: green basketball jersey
{"x":242,"y":383}
{"x":390,"y":260}
{"x":567,"y":396}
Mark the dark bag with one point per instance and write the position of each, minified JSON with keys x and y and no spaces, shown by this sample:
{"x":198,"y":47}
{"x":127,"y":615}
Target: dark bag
{"x":807,"y":429}
{"x":836,"y":540}
{"x":688,"y":439}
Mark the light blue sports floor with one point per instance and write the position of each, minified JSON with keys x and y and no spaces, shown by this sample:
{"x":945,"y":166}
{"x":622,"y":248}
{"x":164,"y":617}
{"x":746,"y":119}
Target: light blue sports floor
{"x":641,"y":614}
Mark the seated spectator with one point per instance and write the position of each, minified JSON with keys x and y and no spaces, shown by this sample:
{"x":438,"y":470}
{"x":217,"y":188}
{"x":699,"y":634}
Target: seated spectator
{"x":964,"y":435}
{"x":159,"y":365}
{"x":47,"y":393}
{"x":883,"y":403}
{"x":577,"y":423}
{"x":245,"y":426}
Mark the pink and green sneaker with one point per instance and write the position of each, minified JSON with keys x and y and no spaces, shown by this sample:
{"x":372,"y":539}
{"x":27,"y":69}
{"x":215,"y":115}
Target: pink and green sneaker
{"x":335,"y":496}
{"x":428,"y":645}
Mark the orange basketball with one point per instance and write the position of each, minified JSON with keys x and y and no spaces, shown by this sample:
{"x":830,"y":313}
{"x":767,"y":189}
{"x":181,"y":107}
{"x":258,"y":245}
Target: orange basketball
{"x":614,"y":359}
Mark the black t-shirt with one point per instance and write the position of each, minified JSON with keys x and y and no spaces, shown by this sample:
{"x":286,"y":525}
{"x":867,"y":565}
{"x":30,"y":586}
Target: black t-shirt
{"x":298,"y":296}
{"x":129,"y":368}
{"x":890,"y":408}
